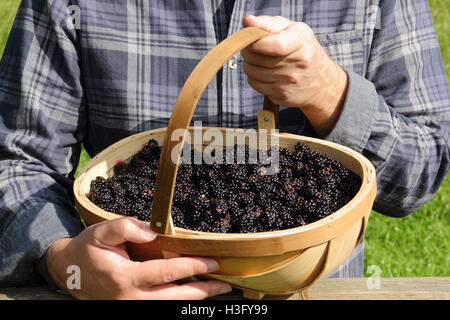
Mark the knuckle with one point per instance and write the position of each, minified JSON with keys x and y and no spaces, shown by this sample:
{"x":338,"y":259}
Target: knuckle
{"x":290,"y":78}
{"x":302,"y":25}
{"x":308,"y":58}
{"x":304,"y":28}
{"x":124,"y":225}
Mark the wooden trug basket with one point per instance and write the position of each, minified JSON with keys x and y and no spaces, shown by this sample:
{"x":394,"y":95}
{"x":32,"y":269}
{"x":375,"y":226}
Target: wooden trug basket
{"x":278,"y":262}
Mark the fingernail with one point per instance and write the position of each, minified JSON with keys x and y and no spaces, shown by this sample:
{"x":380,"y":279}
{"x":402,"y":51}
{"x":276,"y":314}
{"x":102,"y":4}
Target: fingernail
{"x":147,"y":233}
{"x":212,"y":265}
{"x":225,"y":289}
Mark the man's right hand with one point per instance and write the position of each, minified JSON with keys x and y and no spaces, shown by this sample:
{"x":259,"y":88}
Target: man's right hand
{"x":108,"y":273}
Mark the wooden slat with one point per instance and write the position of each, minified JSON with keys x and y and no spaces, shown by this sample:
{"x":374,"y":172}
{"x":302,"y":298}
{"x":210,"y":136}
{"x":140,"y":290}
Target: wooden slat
{"x":325,"y":289}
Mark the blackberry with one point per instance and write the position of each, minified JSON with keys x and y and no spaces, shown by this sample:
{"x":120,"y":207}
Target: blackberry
{"x":120,"y":168}
{"x":221,"y":225}
{"x":286,"y":173}
{"x":201,"y":226}
{"x":299,"y":220}
{"x":219,"y":193}
{"x":152,"y":143}
{"x":287,"y":219}
{"x":247,"y":223}
{"x":244,"y":185}
{"x":111,"y":207}
{"x":99,"y":183}
{"x":184,"y":173}
{"x":147,"y":172}
{"x":144,"y":213}
{"x":183,"y":193}
{"x":100,"y":191}
{"x":137,"y":163}
{"x":219,"y":206}
{"x":245,"y":199}
{"x":201,"y":202}
{"x":117,"y":189}
{"x":208,"y":216}
{"x":147,"y":195}
{"x":233,"y":206}
{"x":132,"y":189}
{"x":270,"y":216}
{"x":178,"y":218}
{"x":302,"y":148}
{"x":290,"y":199}
{"x":150,"y":152}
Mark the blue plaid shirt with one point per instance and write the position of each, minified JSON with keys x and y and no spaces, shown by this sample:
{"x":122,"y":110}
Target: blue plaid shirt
{"x":119,"y":73}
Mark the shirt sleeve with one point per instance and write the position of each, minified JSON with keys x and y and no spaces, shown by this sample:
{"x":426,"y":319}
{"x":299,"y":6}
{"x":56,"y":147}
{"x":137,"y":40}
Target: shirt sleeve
{"x":42,"y":124}
{"x":398,"y":115}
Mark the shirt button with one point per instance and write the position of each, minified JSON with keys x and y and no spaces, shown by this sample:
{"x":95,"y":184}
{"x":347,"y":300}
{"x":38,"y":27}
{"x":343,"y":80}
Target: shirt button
{"x":232,"y":64}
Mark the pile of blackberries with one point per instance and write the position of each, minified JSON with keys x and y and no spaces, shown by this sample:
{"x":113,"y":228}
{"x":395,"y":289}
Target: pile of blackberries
{"x":303,"y":187}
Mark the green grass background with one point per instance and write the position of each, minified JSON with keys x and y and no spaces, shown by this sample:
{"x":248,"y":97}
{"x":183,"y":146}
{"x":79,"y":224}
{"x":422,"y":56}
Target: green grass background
{"x":414,"y":246}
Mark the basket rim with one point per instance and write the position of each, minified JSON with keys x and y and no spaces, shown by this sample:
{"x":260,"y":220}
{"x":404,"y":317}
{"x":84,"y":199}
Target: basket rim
{"x":368,"y":181}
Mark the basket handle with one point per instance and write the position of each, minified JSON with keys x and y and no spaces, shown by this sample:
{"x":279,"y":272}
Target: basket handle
{"x":181,"y":117}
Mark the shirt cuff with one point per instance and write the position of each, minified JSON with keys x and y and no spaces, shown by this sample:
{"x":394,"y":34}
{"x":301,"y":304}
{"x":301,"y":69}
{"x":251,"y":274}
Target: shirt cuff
{"x":36,"y":225}
{"x":355,"y":122}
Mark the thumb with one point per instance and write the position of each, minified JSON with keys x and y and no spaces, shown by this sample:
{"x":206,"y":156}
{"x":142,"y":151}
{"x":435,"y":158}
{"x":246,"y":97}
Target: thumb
{"x":118,"y":231}
{"x":267,"y":23}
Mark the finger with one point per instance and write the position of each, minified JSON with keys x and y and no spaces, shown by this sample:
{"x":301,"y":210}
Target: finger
{"x":262,"y":60}
{"x":271,"y":45}
{"x":284,"y":42}
{"x":190,"y":291}
{"x":263,"y":88}
{"x":263,"y":75}
{"x":116,"y":232}
{"x":155,"y":272}
{"x":268,"y":23}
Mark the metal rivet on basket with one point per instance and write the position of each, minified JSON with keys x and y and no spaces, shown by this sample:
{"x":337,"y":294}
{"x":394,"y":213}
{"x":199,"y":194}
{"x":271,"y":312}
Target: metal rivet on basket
{"x":159,"y":224}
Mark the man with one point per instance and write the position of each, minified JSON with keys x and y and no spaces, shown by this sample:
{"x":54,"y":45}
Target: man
{"x":365,"y":75}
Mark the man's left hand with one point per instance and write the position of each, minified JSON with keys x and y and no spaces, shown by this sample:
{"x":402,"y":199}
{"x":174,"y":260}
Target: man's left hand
{"x":293,"y":69}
